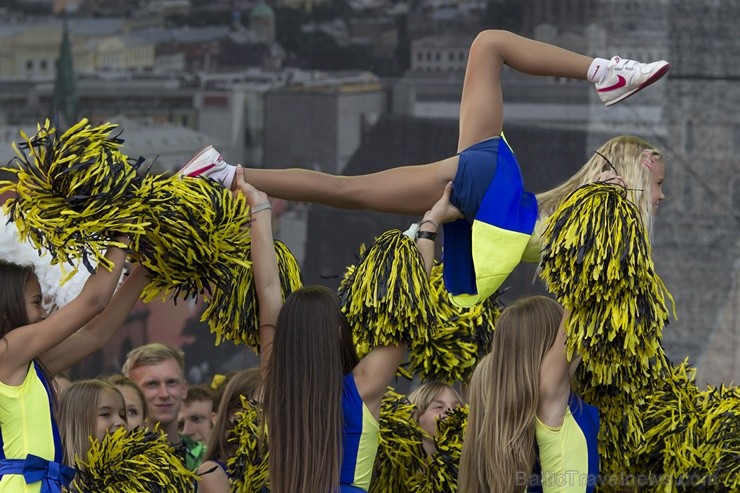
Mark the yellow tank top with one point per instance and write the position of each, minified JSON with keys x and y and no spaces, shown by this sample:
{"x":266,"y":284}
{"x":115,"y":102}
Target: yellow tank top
{"x":27,"y":427}
{"x":568,"y":455}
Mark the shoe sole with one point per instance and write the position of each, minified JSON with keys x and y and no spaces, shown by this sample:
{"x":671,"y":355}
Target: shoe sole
{"x":184,"y":171}
{"x":653,"y":78}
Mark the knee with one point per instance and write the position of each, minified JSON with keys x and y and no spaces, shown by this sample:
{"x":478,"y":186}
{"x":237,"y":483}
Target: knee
{"x":489,"y":41}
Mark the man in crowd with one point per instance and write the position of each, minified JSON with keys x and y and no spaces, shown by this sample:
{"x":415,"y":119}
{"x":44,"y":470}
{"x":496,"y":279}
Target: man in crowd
{"x":159,"y":372}
{"x":198,"y":413}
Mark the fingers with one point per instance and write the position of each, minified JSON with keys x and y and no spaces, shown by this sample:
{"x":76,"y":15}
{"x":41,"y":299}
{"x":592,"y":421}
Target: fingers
{"x":252,"y":194}
{"x":611,"y":178}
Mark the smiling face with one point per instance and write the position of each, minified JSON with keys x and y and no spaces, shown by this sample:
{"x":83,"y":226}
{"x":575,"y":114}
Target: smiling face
{"x":444,"y":401}
{"x":111,"y":413}
{"x":164,"y":388}
{"x":33,"y":297}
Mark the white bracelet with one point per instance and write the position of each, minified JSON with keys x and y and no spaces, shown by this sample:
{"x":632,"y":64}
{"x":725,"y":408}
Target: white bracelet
{"x":260,"y":207}
{"x":411,"y":232}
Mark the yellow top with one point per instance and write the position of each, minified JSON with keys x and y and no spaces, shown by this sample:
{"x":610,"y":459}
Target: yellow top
{"x":569,"y":463}
{"x":26,"y":427}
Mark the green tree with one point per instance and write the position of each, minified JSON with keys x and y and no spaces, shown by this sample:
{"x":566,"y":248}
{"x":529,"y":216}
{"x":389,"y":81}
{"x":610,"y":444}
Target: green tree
{"x":65,"y":87}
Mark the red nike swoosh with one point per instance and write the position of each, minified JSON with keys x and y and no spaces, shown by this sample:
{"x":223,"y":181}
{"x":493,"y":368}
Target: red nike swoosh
{"x":621,"y":82}
{"x":201,"y":170}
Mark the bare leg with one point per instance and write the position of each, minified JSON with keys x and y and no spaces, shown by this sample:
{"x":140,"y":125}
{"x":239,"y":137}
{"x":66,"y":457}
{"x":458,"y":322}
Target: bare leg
{"x":414,"y":189}
{"x":403,"y":190}
{"x":481,"y":107}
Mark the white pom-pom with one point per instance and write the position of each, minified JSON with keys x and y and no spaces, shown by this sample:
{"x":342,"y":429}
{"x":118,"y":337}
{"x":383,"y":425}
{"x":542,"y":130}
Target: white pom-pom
{"x":50,"y":276}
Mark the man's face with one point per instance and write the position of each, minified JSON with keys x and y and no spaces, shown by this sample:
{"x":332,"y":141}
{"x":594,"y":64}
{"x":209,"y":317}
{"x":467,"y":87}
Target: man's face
{"x":164,"y":389}
{"x":196,"y":420}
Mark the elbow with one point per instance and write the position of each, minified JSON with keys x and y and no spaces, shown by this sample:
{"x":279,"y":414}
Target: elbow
{"x":95,"y":303}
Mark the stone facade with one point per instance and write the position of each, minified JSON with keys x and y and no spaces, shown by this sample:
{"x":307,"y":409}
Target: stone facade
{"x":697,"y":248}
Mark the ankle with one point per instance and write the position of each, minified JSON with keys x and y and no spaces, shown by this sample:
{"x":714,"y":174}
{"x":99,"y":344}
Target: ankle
{"x":226,"y":177}
{"x":597,"y":70}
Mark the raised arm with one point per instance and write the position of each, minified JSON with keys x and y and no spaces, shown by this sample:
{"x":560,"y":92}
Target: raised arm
{"x":375,"y":371}
{"x":99,"y":331}
{"x":264,"y":266}
{"x":555,"y":380}
{"x":23,"y":344}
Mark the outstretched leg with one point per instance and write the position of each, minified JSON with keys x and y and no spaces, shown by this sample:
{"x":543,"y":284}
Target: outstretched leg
{"x":403,"y":190}
{"x":481,"y":107}
{"x":414,"y":189}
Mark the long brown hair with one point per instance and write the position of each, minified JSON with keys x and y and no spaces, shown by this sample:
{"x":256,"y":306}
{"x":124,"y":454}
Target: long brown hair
{"x":498,"y":450}
{"x":245,"y":383}
{"x":303,"y":393}
{"x":13,"y":281}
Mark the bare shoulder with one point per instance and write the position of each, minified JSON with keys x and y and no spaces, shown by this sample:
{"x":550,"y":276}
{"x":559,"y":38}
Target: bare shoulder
{"x":212,"y":478}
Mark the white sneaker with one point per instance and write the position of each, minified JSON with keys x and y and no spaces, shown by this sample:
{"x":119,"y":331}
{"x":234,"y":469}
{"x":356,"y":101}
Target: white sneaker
{"x":625,"y":77}
{"x":206,"y":162}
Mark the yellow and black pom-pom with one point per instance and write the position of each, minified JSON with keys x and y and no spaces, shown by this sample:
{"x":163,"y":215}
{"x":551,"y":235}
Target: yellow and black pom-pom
{"x":132,"y":462}
{"x":440,"y":473}
{"x":197,"y":239}
{"x":200,"y":245}
{"x":248,"y":468}
{"x":596,"y":260}
{"x":400,"y":452}
{"x":460,"y":339}
{"x":73,"y":191}
{"x":233,"y":310}
{"x":621,"y":433}
{"x":385,"y":297}
{"x":692,"y":437}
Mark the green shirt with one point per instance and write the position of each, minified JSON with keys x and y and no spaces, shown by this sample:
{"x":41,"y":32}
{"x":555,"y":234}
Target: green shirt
{"x":191,"y":451}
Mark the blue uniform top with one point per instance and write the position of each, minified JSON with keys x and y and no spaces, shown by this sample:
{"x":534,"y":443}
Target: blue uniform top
{"x":360,"y":440}
{"x":481,"y":250}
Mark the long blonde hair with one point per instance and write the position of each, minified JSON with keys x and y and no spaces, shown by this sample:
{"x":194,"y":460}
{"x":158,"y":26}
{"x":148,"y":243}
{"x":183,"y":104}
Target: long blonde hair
{"x":78,"y":414}
{"x":498,"y":449}
{"x":625,"y":154}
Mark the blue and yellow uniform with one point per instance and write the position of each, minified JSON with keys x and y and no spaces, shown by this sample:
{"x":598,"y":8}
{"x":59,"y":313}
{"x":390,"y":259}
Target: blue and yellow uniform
{"x":568,"y":459}
{"x":31,"y":451}
{"x":481,"y":250}
{"x":360,"y":440}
